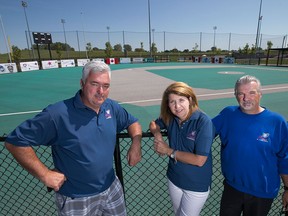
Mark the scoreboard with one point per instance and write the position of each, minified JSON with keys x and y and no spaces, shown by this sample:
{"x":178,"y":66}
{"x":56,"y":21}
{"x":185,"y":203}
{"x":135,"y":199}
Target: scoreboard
{"x":42,"y":38}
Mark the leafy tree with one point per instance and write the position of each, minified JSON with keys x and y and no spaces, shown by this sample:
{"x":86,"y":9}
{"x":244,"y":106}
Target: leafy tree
{"x":128,"y":47}
{"x":57,"y":45}
{"x":269,"y":45}
{"x":108,"y":50}
{"x":40,"y":46}
{"x":195,"y":48}
{"x":154,"y":48}
{"x":246,"y":49}
{"x":118,"y":47}
{"x":175,"y":50}
{"x":240,"y":50}
{"x":58,"y":49}
{"x":218,"y":51}
{"x":16,"y":53}
{"x":88,"y":47}
{"x":138,"y":50}
{"x":213,"y":49}
{"x":253,"y":49}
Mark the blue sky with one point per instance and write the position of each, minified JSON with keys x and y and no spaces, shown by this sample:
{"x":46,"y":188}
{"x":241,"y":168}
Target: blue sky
{"x":182,"y":16}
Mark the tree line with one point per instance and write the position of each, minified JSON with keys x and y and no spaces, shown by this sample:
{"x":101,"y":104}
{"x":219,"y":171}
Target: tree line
{"x":59,"y":47}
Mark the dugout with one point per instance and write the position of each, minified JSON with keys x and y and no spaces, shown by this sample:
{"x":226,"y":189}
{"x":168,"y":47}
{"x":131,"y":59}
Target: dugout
{"x":280,"y":59}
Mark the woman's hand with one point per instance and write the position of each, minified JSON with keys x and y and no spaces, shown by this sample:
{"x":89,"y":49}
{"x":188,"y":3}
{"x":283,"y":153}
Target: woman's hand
{"x":161,"y":147}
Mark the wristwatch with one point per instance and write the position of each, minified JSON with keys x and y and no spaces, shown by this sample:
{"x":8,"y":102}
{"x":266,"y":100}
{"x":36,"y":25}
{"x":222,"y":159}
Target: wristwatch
{"x":173,"y":154}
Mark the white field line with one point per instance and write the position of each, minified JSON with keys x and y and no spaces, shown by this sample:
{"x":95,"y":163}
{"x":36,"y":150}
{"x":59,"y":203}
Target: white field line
{"x":150,"y":100}
{"x":203,"y":95}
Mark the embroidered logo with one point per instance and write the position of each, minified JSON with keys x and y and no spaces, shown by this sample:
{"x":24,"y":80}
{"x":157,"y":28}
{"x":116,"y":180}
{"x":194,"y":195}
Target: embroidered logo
{"x":107,"y":114}
{"x":192,"y":135}
{"x":263,"y":137}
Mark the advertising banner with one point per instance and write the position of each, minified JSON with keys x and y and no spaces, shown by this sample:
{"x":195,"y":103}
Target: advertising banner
{"x":99,"y":59}
{"x":29,"y":66}
{"x":67,"y":63}
{"x":229,"y":60}
{"x":8,"y":68}
{"x":82,"y":62}
{"x":50,"y":64}
{"x":125,"y":60}
{"x":137,"y":60}
{"x":110,"y":61}
{"x":206,"y":59}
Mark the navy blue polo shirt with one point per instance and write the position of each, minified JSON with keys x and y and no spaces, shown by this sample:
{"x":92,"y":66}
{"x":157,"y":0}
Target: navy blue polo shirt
{"x":82,"y":142}
{"x":195,"y":136}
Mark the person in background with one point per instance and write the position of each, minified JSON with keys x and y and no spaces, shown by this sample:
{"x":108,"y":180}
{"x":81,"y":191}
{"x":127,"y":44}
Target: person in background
{"x":82,"y":134}
{"x":190,"y":135}
{"x":254,"y":152}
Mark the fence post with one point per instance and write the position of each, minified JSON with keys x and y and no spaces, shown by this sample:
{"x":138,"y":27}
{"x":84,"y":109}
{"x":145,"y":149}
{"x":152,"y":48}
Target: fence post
{"x":117,"y":161}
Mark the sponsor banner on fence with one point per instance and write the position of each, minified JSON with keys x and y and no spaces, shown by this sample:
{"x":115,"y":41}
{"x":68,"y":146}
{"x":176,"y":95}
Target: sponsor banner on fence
{"x":67,"y":63}
{"x":149,"y":60}
{"x":196,"y":59}
{"x":29,"y":66}
{"x":229,"y":60}
{"x":206,"y":59}
{"x":82,"y":62}
{"x":8,"y":68}
{"x":110,"y":61}
{"x":50,"y":64}
{"x":125,"y":60}
{"x":99,"y":59}
{"x":137,"y":60}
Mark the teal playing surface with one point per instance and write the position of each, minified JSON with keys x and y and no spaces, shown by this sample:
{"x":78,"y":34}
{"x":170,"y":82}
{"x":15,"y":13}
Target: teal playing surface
{"x":26,"y":93}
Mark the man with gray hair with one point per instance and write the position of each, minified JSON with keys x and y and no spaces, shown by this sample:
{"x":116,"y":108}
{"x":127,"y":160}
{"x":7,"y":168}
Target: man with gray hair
{"x":254,"y":152}
{"x":82,"y":134}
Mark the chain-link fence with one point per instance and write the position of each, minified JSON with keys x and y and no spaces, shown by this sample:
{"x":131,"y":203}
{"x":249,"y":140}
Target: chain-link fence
{"x":200,"y":41}
{"x":145,"y":185}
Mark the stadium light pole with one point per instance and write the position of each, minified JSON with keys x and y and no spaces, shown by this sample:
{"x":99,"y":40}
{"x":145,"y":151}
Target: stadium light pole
{"x":164,"y":35}
{"x":24,"y":5}
{"x":124,"y":49}
{"x":258,"y":28}
{"x":214,"y":28}
{"x":84,"y":36}
{"x":153,"y":30}
{"x":149,"y":28}
{"x":5,"y":37}
{"x":108,"y":28}
{"x":63,"y":22}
